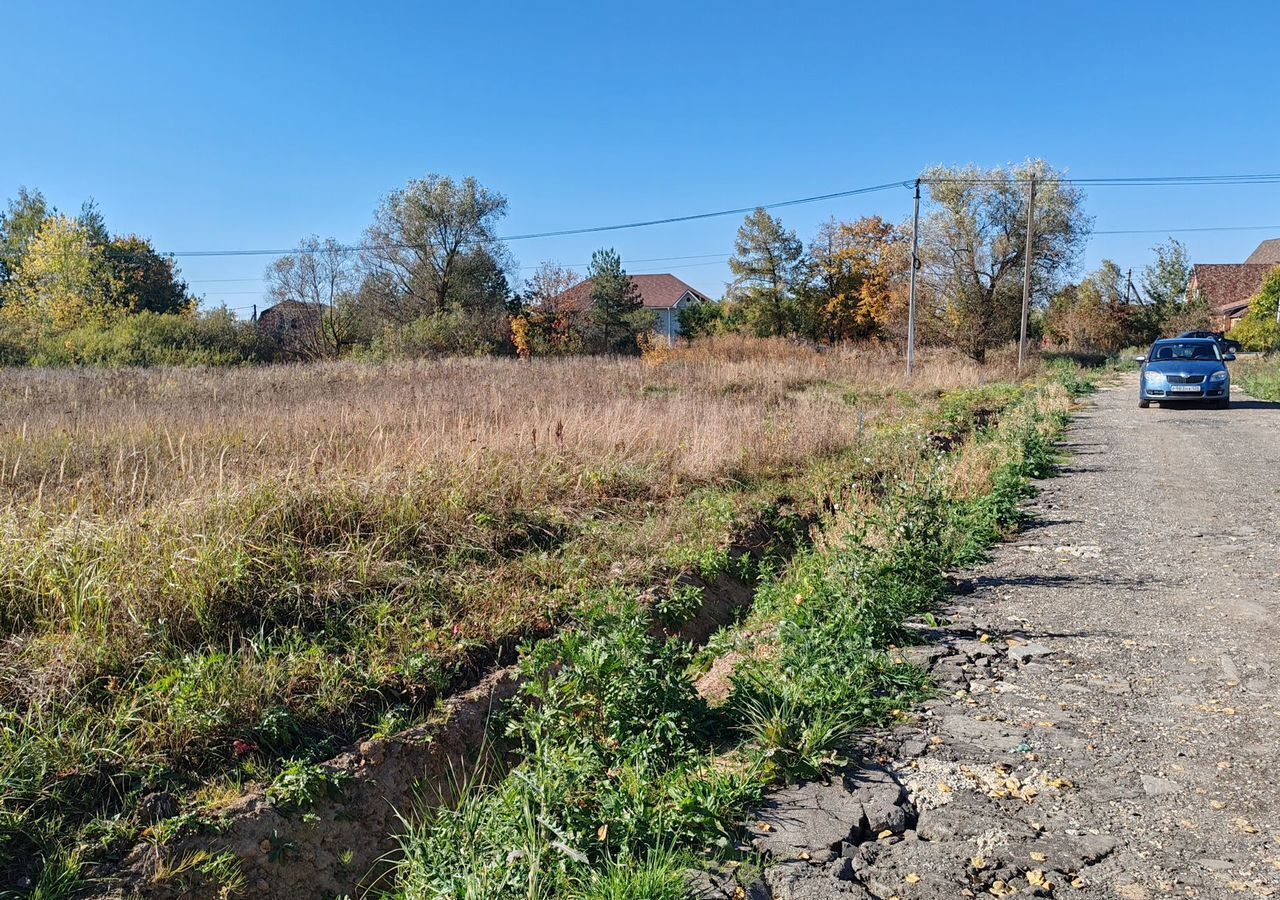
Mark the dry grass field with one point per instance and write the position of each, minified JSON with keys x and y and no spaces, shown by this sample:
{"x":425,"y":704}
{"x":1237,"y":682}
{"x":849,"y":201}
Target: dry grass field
{"x":205,"y":574}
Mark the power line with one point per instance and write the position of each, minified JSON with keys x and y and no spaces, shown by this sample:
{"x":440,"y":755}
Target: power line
{"x":712,"y":256}
{"x":1130,"y":181}
{"x":1187,"y":230}
{"x":595,"y":229}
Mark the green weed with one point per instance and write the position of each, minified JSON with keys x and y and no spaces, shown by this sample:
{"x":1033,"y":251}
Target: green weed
{"x":299,"y":786}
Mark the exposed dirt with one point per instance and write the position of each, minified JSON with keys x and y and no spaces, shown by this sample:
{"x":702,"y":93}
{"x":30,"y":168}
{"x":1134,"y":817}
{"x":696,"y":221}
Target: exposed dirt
{"x":343,"y":846}
{"x":1110,"y":722}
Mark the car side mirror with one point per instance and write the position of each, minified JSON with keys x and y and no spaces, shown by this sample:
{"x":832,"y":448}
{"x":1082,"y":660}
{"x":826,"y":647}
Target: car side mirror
{"x":1228,"y":357}
{"x":1139,"y":359}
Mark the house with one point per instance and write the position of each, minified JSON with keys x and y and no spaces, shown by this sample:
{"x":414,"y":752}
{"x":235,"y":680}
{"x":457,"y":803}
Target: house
{"x":1230,"y":286}
{"x":665,"y":294}
{"x":295,"y":327}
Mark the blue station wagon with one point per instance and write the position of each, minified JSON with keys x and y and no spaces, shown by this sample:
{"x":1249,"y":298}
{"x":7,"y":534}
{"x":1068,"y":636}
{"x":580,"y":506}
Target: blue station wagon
{"x":1185,"y":369}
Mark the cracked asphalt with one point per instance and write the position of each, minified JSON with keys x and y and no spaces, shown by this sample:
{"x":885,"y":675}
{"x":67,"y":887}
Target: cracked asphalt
{"x":1109,"y":718}
{"x":1153,"y":573}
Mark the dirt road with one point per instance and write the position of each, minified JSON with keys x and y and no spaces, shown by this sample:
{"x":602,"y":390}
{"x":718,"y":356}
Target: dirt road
{"x":1112,"y":722}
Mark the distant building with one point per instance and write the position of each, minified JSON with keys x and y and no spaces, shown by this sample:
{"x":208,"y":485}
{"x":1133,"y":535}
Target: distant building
{"x":666,"y":295}
{"x":295,"y":327}
{"x":1228,"y":287}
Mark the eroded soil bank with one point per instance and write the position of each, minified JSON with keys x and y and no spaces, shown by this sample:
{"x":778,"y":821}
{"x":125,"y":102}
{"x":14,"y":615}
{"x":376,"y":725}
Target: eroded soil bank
{"x":340,"y":845}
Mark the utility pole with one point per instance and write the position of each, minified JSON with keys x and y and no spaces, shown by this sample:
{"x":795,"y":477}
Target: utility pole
{"x":1026,"y":275}
{"x":915,"y":264}
{"x":1128,"y":288}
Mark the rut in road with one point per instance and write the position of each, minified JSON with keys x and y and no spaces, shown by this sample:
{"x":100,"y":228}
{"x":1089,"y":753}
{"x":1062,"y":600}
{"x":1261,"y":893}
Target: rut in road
{"x":1110,"y":724}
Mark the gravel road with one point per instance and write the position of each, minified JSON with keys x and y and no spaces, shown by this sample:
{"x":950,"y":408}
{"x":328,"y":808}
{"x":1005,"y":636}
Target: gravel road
{"x":1111,"y":721}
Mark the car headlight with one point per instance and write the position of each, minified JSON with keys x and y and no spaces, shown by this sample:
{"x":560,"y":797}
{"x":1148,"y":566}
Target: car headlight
{"x":1220,"y":375}
{"x":1153,"y":377}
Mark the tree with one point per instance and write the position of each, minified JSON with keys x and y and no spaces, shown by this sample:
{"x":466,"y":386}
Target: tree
{"x":1164,"y":283}
{"x":143,"y":280}
{"x":552,"y":324}
{"x":1165,"y":279}
{"x":702,"y":320}
{"x":480,"y":283}
{"x":768,"y":266}
{"x":93,"y":222}
{"x":973,"y":247}
{"x":1194,"y":314}
{"x":62,"y":280}
{"x":324,"y":276}
{"x":857,"y":271}
{"x":19,"y":224}
{"x":421,"y":250}
{"x":616,"y":312}
{"x":1090,"y":317}
{"x":548,"y":284}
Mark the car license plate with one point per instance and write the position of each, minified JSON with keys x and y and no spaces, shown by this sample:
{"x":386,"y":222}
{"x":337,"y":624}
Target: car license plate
{"x":1185,"y":388}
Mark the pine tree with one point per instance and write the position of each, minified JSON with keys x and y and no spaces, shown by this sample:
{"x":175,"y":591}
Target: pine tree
{"x":616,"y":305}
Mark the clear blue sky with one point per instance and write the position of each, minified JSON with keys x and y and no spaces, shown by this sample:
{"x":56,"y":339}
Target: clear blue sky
{"x":233,"y":125}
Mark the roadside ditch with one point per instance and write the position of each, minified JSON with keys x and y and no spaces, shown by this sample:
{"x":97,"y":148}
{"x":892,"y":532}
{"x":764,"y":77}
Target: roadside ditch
{"x":340,"y":842}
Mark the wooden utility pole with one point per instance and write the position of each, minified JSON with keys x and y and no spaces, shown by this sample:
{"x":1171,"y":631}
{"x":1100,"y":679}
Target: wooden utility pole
{"x":915,"y":264}
{"x":1026,"y":276}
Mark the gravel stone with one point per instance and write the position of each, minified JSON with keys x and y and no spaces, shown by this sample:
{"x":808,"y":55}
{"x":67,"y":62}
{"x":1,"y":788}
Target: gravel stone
{"x":1154,"y":786}
{"x":812,"y":817}
{"x":1026,"y":652}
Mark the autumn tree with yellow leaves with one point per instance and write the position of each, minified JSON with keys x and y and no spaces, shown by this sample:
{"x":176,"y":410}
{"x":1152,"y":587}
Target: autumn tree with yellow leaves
{"x":858,"y":273}
{"x":60,"y":272}
{"x":61,"y":281}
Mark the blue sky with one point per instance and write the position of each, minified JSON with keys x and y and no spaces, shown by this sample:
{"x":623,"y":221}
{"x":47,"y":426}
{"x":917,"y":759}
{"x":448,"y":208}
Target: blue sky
{"x":250,"y":125}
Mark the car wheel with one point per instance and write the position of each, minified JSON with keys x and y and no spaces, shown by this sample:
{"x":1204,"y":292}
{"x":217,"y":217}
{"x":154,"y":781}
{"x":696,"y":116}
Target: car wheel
{"x":1224,"y":403}
{"x":1143,"y":404}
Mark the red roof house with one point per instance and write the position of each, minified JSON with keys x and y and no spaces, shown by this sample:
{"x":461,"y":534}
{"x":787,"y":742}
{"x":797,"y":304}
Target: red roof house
{"x":664,"y":294}
{"x":1230,"y":286}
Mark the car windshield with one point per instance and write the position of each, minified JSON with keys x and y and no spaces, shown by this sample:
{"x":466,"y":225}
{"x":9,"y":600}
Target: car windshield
{"x":1188,"y":350}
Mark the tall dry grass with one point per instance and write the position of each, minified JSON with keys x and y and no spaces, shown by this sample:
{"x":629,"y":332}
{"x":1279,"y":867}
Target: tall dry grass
{"x":112,"y":442}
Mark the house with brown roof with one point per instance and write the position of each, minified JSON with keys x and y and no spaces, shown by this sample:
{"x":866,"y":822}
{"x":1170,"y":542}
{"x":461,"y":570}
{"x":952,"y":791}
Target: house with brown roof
{"x":295,"y":327}
{"x":1230,"y":286}
{"x":664,"y":294}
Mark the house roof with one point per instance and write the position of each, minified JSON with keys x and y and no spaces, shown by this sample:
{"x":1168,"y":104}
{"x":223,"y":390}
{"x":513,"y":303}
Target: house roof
{"x":1267,"y":252}
{"x":656,"y":292}
{"x":1234,"y":310}
{"x":298,"y":306}
{"x":1227,"y":285}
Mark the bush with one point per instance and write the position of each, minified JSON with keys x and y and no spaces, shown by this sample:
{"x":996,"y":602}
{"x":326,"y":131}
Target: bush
{"x":457,"y":332}
{"x":1258,"y":330}
{"x":215,"y":338}
{"x":702,"y":319}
